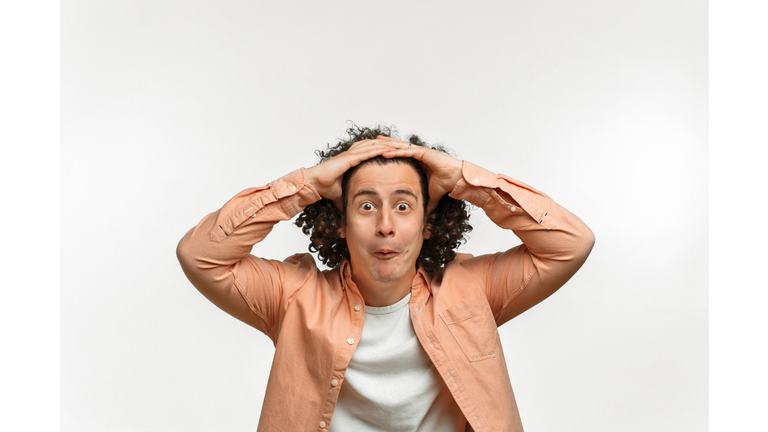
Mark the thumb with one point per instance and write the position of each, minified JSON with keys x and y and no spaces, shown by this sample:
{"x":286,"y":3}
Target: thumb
{"x":432,"y":205}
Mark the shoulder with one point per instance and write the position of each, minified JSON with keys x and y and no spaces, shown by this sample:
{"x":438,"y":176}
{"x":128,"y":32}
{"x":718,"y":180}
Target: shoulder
{"x":302,"y":270}
{"x":304,"y":260}
{"x":459,"y":258}
{"x":456,"y":275}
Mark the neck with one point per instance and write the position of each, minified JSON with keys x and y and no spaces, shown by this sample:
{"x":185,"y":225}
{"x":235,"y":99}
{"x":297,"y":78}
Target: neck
{"x":378,"y":293}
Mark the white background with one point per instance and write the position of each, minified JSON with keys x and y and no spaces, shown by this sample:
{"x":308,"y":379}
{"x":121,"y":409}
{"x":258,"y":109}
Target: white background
{"x":168,"y":110}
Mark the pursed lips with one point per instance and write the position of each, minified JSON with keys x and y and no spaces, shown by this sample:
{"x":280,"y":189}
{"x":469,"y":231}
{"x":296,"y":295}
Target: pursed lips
{"x":384,"y":253}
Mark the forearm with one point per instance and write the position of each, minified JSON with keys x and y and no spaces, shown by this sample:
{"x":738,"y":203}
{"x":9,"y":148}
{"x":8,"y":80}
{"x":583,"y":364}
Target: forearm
{"x":555,"y":241}
{"x":223,"y":238}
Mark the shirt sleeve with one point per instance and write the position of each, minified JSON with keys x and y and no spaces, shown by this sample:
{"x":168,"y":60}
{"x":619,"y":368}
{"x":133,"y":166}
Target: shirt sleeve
{"x":215,"y":254}
{"x":555,"y":241}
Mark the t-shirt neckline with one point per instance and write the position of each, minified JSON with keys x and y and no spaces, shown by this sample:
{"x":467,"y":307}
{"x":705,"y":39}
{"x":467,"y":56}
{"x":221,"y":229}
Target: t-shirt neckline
{"x":382,"y":310}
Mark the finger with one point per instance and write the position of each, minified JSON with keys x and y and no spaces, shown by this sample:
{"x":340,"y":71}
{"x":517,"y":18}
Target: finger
{"x":432,"y":205}
{"x":370,"y":147}
{"x":391,"y":142}
{"x":365,"y":144}
{"x":397,"y":142}
{"x":368,"y":143}
{"x":414,"y":152}
{"x":361,"y":143}
{"x":339,"y":205}
{"x":387,"y":138}
{"x":362,"y":154}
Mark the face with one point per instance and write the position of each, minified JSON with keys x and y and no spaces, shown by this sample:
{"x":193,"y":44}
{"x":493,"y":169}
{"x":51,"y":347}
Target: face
{"x":384,"y":223}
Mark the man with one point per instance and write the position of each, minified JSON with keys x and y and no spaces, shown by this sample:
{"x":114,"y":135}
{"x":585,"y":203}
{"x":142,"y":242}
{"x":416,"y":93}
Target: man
{"x":401,"y":334}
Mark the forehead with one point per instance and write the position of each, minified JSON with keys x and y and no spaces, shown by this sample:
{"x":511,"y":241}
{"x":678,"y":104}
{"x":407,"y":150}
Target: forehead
{"x":385,"y":180}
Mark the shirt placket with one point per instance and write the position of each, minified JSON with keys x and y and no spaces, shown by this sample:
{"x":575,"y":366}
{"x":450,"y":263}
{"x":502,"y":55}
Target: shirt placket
{"x":441,"y":359}
{"x":345,"y":347}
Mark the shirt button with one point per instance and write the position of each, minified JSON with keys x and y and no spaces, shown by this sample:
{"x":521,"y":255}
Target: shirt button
{"x":350,"y":341}
{"x":292,"y":188}
{"x":322,"y":424}
{"x":475,"y":180}
{"x":357,"y":308}
{"x":334,"y":383}
{"x":513,"y":209}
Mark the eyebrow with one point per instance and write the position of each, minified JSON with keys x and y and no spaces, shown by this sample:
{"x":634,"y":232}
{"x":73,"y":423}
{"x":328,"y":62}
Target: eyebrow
{"x":373,"y":193}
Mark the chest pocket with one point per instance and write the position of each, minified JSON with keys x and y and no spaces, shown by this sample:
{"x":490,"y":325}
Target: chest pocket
{"x":471,"y":323}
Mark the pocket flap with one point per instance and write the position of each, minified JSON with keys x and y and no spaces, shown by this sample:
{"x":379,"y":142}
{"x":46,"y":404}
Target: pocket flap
{"x":463,"y":310}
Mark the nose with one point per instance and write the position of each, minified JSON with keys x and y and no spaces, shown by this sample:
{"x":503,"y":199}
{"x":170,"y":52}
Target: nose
{"x":385,"y":226}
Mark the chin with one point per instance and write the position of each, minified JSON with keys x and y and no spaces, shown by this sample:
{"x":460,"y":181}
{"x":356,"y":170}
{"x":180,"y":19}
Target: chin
{"x":383,"y":277}
{"x":387,"y":274}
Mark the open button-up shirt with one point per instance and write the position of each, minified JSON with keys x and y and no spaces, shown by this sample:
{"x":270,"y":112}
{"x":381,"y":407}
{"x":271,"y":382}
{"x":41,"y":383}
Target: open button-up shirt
{"x":315,"y":317}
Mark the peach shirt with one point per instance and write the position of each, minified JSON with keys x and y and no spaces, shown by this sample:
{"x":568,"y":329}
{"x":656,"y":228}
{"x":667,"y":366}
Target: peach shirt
{"x":315,"y":317}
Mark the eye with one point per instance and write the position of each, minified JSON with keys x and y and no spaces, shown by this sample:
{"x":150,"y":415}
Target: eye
{"x":366,"y":206}
{"x":403,"y":207}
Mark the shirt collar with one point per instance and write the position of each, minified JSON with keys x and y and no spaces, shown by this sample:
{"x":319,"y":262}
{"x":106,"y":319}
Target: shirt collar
{"x":421,"y":280}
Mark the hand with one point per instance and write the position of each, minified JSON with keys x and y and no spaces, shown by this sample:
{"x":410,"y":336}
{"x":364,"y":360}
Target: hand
{"x":443,"y":170}
{"x":326,"y":177}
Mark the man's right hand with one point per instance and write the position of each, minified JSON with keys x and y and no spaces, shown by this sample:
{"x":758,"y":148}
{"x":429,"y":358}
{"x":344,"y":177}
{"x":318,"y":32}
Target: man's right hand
{"x":326,"y":177}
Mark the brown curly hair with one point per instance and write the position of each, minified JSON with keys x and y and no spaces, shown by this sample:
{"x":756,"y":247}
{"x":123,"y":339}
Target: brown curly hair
{"x":321,"y":220}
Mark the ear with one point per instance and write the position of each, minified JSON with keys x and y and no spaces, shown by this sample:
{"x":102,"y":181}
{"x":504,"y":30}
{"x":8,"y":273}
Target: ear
{"x":427,"y":233}
{"x":343,"y":229}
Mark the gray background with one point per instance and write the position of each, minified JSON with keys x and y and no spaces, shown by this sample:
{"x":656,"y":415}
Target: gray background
{"x":170,"y":108}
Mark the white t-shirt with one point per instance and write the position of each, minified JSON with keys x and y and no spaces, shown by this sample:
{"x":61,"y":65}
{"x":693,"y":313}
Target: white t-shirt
{"x":391,"y":384}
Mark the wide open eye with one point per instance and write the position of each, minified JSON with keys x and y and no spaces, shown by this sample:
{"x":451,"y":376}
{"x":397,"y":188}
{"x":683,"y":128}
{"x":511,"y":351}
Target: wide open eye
{"x":366,"y":206}
{"x":403,"y":207}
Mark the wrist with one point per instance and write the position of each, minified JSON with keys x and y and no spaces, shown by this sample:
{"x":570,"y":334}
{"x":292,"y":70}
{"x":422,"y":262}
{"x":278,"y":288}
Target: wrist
{"x":458,"y":173}
{"x":310,"y":178}
{"x":455,"y":175}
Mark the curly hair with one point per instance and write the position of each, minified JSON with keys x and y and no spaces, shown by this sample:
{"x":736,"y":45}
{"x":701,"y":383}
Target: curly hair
{"x":321,"y":220}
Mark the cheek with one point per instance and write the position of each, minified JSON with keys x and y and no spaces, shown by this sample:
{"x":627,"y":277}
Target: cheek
{"x":418,"y":240}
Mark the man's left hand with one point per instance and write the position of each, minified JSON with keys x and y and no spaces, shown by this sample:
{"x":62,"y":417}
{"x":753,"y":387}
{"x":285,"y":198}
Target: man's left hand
{"x":443,"y":170}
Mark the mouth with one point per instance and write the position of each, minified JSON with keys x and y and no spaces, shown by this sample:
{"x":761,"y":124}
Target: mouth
{"x":384,"y":253}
